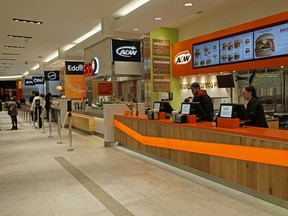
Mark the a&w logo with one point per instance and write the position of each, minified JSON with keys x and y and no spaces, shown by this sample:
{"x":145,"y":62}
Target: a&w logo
{"x":127,"y":51}
{"x":182,"y":57}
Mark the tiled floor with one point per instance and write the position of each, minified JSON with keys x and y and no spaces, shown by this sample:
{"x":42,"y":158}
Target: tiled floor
{"x":40,"y":177}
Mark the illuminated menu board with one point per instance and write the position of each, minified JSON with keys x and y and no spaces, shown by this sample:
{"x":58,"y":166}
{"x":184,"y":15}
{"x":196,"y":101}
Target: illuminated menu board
{"x":206,"y":54}
{"x":263,"y":43}
{"x":272,"y":41}
{"x":236,"y":48}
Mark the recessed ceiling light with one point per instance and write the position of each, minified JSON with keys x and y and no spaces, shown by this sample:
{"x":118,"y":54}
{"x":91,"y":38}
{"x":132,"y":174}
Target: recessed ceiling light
{"x":157,"y":18}
{"x":135,"y":29}
{"x":188,"y":4}
{"x":28,"y":21}
{"x":20,"y":36}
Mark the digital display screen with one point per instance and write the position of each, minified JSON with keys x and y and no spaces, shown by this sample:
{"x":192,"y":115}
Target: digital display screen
{"x":225,"y":81}
{"x":156,"y":106}
{"x":185,"y":109}
{"x":236,"y":48}
{"x":226,"y":111}
{"x":263,"y":43}
{"x":206,"y":54}
{"x":271,"y":41}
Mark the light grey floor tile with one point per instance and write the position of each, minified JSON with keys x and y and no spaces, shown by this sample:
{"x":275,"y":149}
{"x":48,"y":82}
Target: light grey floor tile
{"x":32,"y":182}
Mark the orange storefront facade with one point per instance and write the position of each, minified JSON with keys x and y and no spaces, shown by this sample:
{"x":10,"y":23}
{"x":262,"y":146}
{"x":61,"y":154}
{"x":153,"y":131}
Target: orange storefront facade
{"x":186,"y":69}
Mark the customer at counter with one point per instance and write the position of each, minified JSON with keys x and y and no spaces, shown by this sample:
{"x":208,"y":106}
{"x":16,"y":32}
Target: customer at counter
{"x":254,"y":107}
{"x":204,"y":99}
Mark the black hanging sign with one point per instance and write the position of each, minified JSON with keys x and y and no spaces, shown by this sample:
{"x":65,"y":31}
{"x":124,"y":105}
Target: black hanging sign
{"x":123,"y":50}
{"x":74,"y":68}
{"x":51,"y":75}
{"x":38,"y":80}
{"x":29,"y":82}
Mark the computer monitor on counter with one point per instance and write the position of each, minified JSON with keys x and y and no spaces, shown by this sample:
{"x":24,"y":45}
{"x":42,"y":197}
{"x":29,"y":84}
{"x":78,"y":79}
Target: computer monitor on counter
{"x":193,"y":108}
{"x":163,"y":106}
{"x":233,"y":110}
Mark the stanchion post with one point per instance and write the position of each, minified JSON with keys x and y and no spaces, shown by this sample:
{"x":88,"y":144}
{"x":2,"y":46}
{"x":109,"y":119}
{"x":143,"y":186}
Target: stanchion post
{"x":59,"y":128}
{"x":43,"y":125}
{"x":28,"y":115}
{"x":70,"y":132}
{"x":50,"y":126}
{"x":34,"y":115}
{"x":38,"y":118}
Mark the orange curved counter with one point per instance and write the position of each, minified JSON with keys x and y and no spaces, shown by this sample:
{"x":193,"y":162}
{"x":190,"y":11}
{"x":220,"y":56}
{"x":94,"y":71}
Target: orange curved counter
{"x":256,"y":158}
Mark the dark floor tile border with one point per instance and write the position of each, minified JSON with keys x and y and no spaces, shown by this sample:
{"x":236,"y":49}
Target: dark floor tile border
{"x":109,"y":202}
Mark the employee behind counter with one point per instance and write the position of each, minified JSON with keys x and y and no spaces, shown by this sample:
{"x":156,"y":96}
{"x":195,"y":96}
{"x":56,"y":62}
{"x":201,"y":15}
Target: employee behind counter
{"x":254,"y":108}
{"x":204,"y":99}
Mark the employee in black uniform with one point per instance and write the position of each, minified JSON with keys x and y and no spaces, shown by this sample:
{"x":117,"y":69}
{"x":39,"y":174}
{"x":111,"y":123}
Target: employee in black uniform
{"x":204,"y":99}
{"x":254,"y":107}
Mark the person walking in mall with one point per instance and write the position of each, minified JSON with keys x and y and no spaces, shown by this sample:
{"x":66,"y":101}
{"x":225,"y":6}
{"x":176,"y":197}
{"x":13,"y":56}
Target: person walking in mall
{"x":37,"y":105}
{"x":48,"y":104}
{"x":12,"y":109}
{"x":204,"y":99}
{"x":254,"y":107}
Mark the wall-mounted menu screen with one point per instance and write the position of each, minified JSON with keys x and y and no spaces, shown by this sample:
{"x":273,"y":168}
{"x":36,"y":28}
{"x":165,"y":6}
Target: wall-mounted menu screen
{"x":271,"y":41}
{"x":236,"y":48}
{"x":206,"y":54}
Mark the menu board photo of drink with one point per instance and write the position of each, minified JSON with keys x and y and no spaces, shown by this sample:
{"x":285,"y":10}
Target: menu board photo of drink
{"x":271,"y":41}
{"x":236,"y":48}
{"x":206,"y":54}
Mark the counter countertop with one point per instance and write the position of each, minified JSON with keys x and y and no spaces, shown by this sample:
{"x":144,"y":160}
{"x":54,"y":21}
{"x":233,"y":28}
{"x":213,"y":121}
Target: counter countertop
{"x":257,"y":132}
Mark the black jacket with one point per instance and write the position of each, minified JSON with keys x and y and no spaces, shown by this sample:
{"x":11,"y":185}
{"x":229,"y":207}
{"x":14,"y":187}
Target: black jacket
{"x":206,"y":103}
{"x":48,"y":102}
{"x":256,"y":112}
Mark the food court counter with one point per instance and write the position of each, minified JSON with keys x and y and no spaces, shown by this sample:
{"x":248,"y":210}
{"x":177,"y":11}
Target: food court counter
{"x":250,"y":159}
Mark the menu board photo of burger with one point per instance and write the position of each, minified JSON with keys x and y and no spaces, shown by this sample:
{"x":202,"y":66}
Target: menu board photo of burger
{"x":206,"y":54}
{"x":271,"y":41}
{"x":236,"y":48}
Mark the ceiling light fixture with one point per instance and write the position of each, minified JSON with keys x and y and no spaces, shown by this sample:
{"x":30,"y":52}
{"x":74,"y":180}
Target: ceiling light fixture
{"x":20,"y":36}
{"x":35,"y":67}
{"x":11,"y":54}
{"x":157,"y":18}
{"x":14,"y":46}
{"x":52,"y":56}
{"x":133,"y":5}
{"x":95,"y":30}
{"x":27,"y":21}
{"x":135,"y":29}
{"x":188,"y":4}
{"x":7,"y":59}
{"x":10,"y":77}
{"x":26,"y":73}
{"x":5,"y":63}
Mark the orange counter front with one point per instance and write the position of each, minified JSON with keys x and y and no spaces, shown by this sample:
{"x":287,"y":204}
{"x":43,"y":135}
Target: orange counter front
{"x":254,"y":160}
